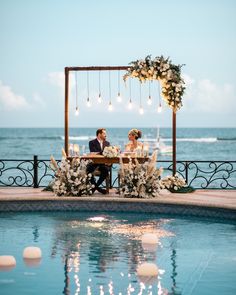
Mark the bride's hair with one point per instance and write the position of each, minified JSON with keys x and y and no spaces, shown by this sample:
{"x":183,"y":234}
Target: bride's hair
{"x":137,"y":133}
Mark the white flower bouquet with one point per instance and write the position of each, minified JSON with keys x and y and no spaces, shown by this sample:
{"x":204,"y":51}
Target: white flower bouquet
{"x":110,"y":152}
{"x":140,"y":180}
{"x":71,"y":178}
{"x":160,"y":69}
{"x":173,"y":183}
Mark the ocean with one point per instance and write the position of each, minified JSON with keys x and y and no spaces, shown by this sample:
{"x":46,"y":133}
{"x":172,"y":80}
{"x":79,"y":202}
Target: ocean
{"x":192,"y":143}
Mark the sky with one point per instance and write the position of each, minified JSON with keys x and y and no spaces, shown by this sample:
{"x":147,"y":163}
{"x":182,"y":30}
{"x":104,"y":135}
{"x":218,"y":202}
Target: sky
{"x":40,"y":38}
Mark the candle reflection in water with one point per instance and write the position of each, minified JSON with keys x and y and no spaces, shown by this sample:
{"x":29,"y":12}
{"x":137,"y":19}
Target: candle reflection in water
{"x":107,"y":243}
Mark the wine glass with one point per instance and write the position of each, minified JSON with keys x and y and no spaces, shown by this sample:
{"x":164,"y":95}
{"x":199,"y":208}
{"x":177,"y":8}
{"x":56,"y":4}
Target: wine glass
{"x":83,"y":149}
{"x":118,"y":148}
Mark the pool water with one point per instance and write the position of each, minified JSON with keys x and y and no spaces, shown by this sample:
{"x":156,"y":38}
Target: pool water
{"x":95,"y":253}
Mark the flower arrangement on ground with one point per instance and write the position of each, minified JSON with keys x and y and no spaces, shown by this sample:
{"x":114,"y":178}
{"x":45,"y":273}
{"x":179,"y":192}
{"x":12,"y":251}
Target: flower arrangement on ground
{"x":162,"y":69}
{"x":110,"y":151}
{"x":173,"y":183}
{"x":140,"y":180}
{"x":71,"y":178}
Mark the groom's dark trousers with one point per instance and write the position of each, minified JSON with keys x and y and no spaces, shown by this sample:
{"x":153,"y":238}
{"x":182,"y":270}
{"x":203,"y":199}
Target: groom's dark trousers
{"x":95,"y":147}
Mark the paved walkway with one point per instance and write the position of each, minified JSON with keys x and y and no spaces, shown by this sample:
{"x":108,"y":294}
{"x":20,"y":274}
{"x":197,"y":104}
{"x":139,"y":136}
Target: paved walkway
{"x":204,"y":198}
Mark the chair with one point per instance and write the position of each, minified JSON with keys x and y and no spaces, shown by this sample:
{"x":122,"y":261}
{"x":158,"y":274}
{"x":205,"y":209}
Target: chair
{"x":107,"y":180}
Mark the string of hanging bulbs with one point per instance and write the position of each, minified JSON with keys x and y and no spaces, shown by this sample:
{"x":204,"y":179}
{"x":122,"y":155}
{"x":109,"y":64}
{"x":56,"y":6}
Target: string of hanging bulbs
{"x":119,"y":99}
{"x":76,"y":96}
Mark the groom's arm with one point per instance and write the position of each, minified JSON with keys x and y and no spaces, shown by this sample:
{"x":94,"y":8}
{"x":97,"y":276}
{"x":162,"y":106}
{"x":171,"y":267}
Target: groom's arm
{"x":91,"y":146}
{"x":107,"y":143}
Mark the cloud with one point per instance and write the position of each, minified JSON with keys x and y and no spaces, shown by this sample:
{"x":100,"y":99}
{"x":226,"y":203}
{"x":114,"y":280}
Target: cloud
{"x":38,"y":100}
{"x":208,"y":97}
{"x":56,"y":79}
{"x":11,"y":101}
{"x":188,"y":80}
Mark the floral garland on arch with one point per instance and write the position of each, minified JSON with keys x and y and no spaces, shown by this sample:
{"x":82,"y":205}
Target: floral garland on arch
{"x":166,"y":72}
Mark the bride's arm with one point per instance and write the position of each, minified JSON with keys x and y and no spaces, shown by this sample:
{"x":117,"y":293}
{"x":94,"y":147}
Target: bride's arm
{"x":140,"y":144}
{"x":127,"y":147}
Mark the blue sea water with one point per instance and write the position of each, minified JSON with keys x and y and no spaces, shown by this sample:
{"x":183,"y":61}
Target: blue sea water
{"x":192,"y":143}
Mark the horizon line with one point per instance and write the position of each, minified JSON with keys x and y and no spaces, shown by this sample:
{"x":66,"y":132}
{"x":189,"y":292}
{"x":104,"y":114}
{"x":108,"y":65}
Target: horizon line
{"x":62,"y":127}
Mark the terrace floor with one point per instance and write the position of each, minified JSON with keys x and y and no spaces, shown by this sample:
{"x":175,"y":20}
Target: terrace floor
{"x":205,"y":198}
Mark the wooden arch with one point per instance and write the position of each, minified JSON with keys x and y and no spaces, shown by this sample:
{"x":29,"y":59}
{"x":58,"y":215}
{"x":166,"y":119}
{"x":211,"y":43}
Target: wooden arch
{"x":107,"y":68}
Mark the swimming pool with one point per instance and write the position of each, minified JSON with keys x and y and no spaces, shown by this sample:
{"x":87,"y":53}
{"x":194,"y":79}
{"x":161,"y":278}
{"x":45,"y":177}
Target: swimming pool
{"x":96,"y":253}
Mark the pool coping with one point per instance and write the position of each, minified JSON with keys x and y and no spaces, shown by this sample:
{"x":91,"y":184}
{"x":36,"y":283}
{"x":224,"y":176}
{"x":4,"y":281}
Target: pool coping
{"x":202,"y":203}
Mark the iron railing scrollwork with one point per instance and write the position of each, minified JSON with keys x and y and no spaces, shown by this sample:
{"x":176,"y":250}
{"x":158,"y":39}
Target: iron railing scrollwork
{"x":198,"y":174}
{"x":220,"y":174}
{"x":21,"y":174}
{"x":206,"y":174}
{"x":46,"y":175}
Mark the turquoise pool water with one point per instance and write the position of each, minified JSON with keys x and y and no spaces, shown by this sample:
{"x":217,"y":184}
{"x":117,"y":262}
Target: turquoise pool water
{"x":83,"y":255}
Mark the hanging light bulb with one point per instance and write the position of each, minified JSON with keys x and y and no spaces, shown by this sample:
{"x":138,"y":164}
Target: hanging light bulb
{"x":130,"y":104}
{"x":149,"y":102}
{"x":99,"y":98}
{"x":110,"y":107}
{"x":76,"y":111}
{"x":88,"y":103}
{"x":76,"y":96}
{"x":88,"y":100}
{"x":99,"y":86}
{"x":141,"y":111}
{"x":119,"y":98}
{"x":159,"y":108}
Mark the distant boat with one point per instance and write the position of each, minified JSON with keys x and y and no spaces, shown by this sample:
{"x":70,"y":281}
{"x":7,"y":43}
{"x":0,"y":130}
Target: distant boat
{"x":161,"y":147}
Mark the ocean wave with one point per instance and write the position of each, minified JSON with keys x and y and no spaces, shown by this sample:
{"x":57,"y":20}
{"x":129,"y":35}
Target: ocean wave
{"x":60,"y":137}
{"x":30,"y":137}
{"x":79,"y":138}
{"x":201,"y":139}
{"x":227,"y":138}
{"x":7,"y":281}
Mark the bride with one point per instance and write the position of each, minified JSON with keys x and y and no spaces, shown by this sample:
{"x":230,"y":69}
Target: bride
{"x":134,"y":144}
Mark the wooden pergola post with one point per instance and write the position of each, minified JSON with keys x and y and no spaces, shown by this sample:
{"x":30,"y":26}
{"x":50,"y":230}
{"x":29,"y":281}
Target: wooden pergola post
{"x":106,"y":68}
{"x":67,"y":110}
{"x":174,"y":142}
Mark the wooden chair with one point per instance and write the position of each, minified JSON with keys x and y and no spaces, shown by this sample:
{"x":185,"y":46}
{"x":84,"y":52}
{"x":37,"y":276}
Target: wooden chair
{"x":107,"y":180}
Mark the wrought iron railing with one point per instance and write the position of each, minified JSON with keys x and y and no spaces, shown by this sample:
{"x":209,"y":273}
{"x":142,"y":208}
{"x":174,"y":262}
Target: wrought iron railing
{"x":205,"y":174}
{"x":198,"y":174}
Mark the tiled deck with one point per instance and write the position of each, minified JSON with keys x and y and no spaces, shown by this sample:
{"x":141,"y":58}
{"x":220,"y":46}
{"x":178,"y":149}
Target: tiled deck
{"x":206,"y":203}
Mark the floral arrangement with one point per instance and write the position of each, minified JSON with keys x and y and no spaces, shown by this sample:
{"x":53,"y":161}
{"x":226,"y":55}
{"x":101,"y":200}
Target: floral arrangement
{"x":71,"y":178}
{"x":173,"y":183}
{"x":140,"y":180}
{"x":160,"y":69}
{"x":110,"y":151}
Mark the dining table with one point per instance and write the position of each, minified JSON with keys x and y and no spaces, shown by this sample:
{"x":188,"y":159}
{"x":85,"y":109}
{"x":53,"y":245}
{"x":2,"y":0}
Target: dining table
{"x":100,"y":159}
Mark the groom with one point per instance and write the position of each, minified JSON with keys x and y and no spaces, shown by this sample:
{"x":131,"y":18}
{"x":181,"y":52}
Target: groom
{"x":97,"y":145}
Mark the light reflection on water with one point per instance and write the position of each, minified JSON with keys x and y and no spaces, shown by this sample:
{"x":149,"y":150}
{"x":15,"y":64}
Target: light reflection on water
{"x":88,"y":253}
